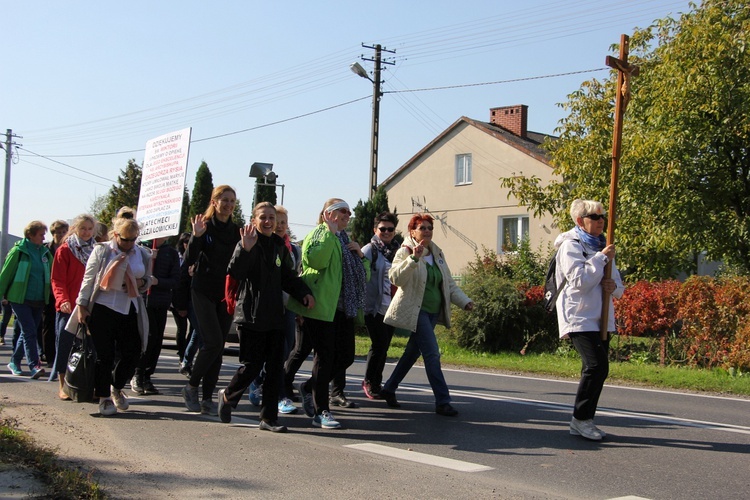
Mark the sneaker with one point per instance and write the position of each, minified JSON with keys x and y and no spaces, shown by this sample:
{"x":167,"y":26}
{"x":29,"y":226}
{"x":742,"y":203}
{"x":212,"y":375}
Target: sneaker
{"x":136,"y":386}
{"x":342,"y":401}
{"x":121,"y":401}
{"x":190,"y":395}
{"x":14,"y":369}
{"x":274,"y":426}
{"x":208,"y":407}
{"x":287,"y":407}
{"x":585,"y":428}
{"x":256,"y":394}
{"x":326,"y":421}
{"x":225,"y":409}
{"x":390,"y":398}
{"x":186,"y":369}
{"x":148,"y":388}
{"x":107,"y":407}
{"x":446,"y":410}
{"x":604,"y":434}
{"x":370,"y":391}
{"x":307,"y":400}
{"x":37,"y":372}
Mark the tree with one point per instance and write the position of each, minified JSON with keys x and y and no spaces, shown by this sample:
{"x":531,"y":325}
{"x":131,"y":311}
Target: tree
{"x":237,"y":216}
{"x":185,"y":225}
{"x":204,"y":185}
{"x":364,"y":215}
{"x":124,"y":193}
{"x":684,"y":183}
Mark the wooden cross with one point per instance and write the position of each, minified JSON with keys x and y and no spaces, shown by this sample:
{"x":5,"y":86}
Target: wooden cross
{"x":622,"y":97}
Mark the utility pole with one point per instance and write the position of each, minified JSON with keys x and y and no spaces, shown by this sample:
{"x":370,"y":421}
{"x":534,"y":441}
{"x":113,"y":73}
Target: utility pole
{"x":377,"y":93}
{"x":6,"y":193}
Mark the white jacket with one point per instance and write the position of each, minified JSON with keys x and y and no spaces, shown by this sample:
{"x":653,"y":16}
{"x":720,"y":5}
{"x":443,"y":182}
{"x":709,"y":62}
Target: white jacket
{"x":411,"y":279}
{"x":579,"y":306}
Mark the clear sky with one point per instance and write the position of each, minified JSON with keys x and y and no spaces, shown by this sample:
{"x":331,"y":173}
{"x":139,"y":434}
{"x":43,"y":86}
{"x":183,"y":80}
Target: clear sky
{"x":270,"y":82}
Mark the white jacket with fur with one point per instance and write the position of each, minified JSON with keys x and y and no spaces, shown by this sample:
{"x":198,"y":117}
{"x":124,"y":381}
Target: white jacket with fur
{"x":411,"y":278}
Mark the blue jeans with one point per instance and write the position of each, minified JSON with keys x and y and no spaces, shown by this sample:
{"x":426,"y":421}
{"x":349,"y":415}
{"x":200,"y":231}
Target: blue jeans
{"x":422,"y":341}
{"x":196,"y":341}
{"x":30,"y":317}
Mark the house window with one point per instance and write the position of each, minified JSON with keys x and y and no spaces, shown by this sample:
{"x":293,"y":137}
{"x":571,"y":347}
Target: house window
{"x":463,"y":169}
{"x":511,"y":231}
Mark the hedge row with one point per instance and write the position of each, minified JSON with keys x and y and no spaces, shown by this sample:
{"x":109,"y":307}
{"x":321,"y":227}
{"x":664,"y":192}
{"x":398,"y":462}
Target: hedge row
{"x":702,"y":322}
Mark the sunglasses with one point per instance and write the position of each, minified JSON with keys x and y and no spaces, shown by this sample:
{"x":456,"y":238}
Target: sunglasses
{"x":127,"y":240}
{"x":425,"y":228}
{"x":386,"y":229}
{"x":595,"y":216}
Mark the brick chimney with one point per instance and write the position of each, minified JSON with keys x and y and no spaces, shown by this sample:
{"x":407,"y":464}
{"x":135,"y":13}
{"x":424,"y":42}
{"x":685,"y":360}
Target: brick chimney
{"x":511,"y":118}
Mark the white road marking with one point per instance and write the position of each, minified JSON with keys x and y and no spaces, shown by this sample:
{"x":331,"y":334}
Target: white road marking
{"x":422,"y":458}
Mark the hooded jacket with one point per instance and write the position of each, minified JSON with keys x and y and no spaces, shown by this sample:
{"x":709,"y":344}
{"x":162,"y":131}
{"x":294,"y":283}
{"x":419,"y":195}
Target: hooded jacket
{"x":14,"y":277}
{"x":264,"y":272}
{"x":411,"y":279}
{"x":579,"y":306}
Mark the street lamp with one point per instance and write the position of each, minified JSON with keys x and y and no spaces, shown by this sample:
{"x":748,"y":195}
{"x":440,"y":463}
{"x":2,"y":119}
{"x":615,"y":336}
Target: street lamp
{"x":264,"y":171}
{"x":358,"y":70}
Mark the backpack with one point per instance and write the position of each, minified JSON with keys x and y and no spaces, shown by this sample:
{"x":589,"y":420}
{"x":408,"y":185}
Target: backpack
{"x":551,"y":289}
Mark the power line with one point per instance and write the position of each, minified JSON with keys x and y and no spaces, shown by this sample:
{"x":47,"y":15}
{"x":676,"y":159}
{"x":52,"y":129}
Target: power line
{"x":66,"y":165}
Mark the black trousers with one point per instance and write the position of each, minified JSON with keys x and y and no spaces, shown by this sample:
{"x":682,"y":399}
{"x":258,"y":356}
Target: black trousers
{"x":214,"y":322}
{"x":257,"y":349}
{"x":114,"y":334}
{"x":157,"y":322}
{"x":297,"y":355}
{"x":594,"y":371}
{"x":333,"y":343}
{"x":181,"y":337}
{"x":380,"y":336}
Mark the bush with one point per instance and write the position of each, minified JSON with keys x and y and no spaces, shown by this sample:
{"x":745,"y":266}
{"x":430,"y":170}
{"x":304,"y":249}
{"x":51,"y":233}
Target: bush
{"x":648,"y":309}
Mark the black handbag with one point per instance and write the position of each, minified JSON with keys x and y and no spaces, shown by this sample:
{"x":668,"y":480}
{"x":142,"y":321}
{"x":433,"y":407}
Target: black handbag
{"x":79,"y":374}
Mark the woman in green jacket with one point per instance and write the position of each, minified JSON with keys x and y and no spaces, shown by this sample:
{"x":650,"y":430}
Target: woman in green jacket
{"x":333,"y":269}
{"x":25,"y":282}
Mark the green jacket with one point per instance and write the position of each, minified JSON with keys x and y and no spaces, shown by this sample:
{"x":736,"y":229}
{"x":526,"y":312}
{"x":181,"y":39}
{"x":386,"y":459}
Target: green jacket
{"x":322,"y":272}
{"x":14,"y":276}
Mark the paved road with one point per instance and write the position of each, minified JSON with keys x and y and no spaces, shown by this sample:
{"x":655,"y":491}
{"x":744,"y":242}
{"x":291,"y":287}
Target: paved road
{"x":510,"y":440}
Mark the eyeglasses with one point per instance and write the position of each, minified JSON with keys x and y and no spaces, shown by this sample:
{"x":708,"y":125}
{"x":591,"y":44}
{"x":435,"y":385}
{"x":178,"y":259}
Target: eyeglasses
{"x":345,"y":211}
{"x":386,"y":229}
{"x":425,"y":228}
{"x":595,"y":216}
{"x":127,"y":240}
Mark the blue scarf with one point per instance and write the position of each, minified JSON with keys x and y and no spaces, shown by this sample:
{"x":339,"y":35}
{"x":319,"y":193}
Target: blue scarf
{"x":596,"y":242}
{"x":352,"y":296}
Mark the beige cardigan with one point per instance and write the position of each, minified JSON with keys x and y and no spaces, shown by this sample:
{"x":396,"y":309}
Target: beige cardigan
{"x":411,"y":278}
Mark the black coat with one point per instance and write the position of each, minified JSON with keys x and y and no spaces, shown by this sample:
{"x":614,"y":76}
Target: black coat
{"x":211,"y":253}
{"x":167,"y":272}
{"x":264,"y":272}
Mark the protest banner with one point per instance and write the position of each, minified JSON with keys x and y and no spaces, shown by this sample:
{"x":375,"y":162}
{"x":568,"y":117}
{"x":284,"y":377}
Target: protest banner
{"x":163,"y":184}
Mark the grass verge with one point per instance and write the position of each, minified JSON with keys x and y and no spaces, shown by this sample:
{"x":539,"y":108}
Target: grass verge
{"x":567,"y":364}
{"x":16,"y":447}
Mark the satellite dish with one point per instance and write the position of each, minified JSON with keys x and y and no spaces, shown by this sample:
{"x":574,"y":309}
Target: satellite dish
{"x":260,"y":170}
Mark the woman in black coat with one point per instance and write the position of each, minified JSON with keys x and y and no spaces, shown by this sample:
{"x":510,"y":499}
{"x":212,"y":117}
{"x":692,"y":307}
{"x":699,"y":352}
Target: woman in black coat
{"x":262,"y":265}
{"x":210,"y":249}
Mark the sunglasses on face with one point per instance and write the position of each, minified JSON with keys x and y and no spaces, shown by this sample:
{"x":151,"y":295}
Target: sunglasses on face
{"x":127,"y":240}
{"x":345,"y":211}
{"x":386,"y":229}
{"x":425,"y":228}
{"x":595,"y":216}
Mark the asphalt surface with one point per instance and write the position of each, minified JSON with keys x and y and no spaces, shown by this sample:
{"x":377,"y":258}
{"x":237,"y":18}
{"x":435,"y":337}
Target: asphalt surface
{"x":510,"y":440}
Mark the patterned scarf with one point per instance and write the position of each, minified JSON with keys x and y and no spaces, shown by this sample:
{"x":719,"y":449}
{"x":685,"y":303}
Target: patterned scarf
{"x":388,"y":251}
{"x":81,"y":249}
{"x":352,"y":296}
{"x":597,"y":243}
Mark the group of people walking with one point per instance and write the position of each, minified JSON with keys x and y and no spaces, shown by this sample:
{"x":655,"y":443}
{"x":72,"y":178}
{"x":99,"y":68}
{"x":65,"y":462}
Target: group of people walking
{"x":287,"y":303}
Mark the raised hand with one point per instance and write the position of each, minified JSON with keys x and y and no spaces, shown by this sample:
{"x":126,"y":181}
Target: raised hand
{"x":330,"y":219}
{"x":199,"y":225}
{"x":249,"y":237}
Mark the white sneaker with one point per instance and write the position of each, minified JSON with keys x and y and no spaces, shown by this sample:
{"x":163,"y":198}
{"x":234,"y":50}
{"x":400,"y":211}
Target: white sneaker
{"x":107,"y":407}
{"x":120,"y":399}
{"x":585,"y":428}
{"x":604,"y":434}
